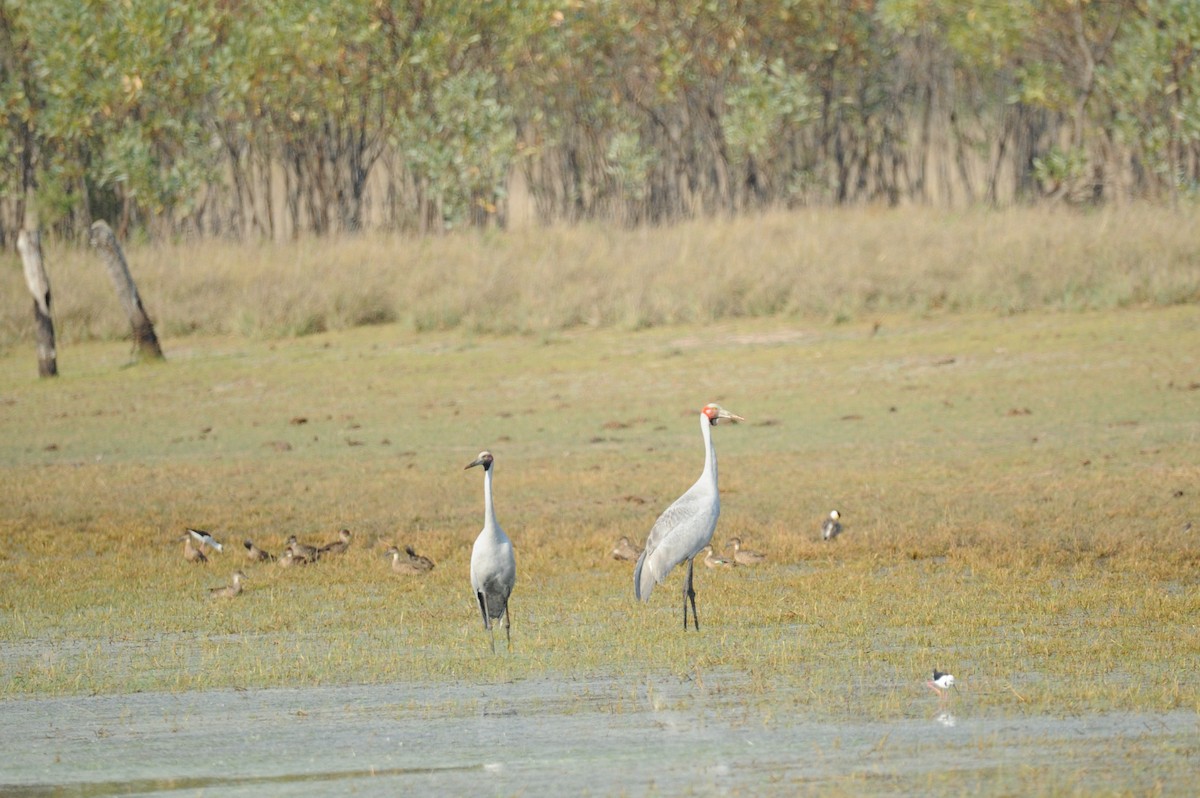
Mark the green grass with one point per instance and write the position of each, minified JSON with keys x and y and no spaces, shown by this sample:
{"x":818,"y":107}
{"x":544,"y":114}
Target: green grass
{"x":1014,"y":489}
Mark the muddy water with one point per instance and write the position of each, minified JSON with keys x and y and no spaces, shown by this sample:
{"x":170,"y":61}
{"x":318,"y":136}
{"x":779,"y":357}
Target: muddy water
{"x":563,"y":737}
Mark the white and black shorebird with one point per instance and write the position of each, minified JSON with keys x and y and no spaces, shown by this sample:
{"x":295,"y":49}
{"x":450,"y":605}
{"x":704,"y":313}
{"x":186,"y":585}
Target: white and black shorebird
{"x":205,"y":539}
{"x":941,"y":682}
{"x":493,"y":566}
{"x":831,"y":527}
{"x":686,"y":527}
{"x":230,"y":590}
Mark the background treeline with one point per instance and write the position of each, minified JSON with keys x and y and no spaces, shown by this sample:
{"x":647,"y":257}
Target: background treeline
{"x":275,"y":118}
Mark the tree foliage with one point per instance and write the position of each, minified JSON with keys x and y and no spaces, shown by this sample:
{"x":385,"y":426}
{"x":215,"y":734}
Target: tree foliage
{"x":277,"y":118}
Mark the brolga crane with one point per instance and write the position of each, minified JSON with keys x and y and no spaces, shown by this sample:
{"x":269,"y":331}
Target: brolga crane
{"x":493,"y":567}
{"x":686,"y":527}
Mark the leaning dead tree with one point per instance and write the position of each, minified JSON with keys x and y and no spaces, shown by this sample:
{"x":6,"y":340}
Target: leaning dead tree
{"x":145,"y":342}
{"x":29,"y":244}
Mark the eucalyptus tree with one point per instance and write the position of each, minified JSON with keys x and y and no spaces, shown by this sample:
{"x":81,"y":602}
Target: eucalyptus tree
{"x":1152,"y":91}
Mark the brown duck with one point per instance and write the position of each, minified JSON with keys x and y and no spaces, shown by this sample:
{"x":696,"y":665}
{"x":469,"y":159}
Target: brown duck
{"x":712,"y":561}
{"x":409,"y":562}
{"x":338,"y":546}
{"x":230,"y":590}
{"x":626,"y":550}
{"x":190,"y":552}
{"x":303,"y":550}
{"x":290,"y":558}
{"x":255,"y":554}
{"x":744,"y":556}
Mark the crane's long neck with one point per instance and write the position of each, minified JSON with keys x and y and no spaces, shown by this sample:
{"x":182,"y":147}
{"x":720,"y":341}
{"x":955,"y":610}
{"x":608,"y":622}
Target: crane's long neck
{"x":710,"y":454}
{"x":489,"y":509}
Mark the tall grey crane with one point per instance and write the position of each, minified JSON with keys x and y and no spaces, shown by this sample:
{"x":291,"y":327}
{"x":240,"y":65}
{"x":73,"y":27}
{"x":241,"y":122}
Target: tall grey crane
{"x":686,"y":527}
{"x":493,"y":567}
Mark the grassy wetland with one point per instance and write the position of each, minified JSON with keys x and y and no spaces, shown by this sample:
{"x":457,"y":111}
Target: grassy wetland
{"x":1015,"y":450}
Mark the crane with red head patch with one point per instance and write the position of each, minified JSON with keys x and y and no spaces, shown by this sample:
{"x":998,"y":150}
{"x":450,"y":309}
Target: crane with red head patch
{"x":686,"y":527}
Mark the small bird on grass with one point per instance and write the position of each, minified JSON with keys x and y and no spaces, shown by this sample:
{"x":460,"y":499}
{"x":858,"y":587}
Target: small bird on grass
{"x":421,"y":561}
{"x":190,"y":552}
{"x":205,"y":539}
{"x":940,"y":683}
{"x":338,"y":546}
{"x":409,"y":562}
{"x":230,"y":590}
{"x":832,"y":527}
{"x":290,"y":558}
{"x":744,"y":556}
{"x":255,"y":554}
{"x":302,"y":550}
{"x":626,"y":550}
{"x":712,"y":561}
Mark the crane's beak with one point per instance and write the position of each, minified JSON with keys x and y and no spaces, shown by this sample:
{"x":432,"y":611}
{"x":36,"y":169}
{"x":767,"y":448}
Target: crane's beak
{"x":726,"y":415}
{"x":473,"y":463}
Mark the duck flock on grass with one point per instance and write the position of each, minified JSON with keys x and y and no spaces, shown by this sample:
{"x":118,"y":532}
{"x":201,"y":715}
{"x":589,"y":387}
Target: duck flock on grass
{"x":681,"y":533}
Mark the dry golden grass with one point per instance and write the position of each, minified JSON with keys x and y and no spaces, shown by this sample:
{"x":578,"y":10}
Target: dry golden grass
{"x":819,"y":265}
{"x":1015,"y":492}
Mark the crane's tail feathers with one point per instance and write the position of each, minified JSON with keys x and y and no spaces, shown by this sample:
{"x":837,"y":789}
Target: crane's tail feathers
{"x":643,"y":579}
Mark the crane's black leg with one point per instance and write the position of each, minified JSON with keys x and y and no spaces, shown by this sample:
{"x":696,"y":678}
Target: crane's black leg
{"x":508,"y":627}
{"x":686,"y":587}
{"x":691,"y":594}
{"x":483,"y":605}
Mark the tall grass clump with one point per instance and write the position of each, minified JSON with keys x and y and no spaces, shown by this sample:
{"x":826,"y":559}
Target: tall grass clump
{"x":820,"y":265}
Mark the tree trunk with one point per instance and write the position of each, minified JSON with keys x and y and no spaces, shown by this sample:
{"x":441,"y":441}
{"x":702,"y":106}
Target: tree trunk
{"x":16,"y":60}
{"x":145,"y":342}
{"x":29,"y":243}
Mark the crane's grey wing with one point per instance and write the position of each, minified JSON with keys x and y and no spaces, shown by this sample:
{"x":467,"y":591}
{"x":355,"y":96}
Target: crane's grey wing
{"x":677,"y":534}
{"x":493,"y":574}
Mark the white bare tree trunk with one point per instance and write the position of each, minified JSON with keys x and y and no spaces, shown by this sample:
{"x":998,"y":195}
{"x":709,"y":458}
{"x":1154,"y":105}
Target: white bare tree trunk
{"x":29,"y":244}
{"x":145,"y":342}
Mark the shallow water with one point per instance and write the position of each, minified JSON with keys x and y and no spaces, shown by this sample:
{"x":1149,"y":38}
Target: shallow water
{"x":565,"y":737}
